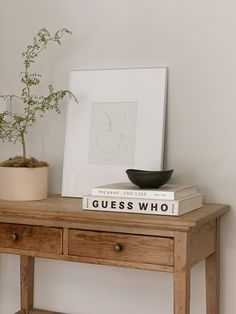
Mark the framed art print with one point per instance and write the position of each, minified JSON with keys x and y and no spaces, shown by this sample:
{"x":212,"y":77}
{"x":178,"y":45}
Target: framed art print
{"x":117,"y":124}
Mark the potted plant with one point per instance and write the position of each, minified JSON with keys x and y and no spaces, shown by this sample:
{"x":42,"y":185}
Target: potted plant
{"x":23,"y":178}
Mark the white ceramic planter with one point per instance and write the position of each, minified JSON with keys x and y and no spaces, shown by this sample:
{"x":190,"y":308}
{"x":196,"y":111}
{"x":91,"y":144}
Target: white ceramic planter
{"x":23,"y":184}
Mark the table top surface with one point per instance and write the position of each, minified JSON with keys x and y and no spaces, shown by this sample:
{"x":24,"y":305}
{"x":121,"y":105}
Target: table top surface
{"x":60,"y":209}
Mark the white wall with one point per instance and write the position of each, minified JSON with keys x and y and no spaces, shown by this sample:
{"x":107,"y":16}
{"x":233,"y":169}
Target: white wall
{"x":196,"y":40}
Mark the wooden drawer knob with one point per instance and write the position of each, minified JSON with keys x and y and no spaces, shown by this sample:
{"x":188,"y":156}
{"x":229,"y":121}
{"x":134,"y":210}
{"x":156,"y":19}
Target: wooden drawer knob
{"x":14,"y":236}
{"x":118,"y":247}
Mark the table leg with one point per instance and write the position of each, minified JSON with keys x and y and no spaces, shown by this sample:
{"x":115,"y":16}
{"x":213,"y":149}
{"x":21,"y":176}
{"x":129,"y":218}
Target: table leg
{"x":26,"y":283}
{"x":212,"y":277}
{"x":182,"y":274}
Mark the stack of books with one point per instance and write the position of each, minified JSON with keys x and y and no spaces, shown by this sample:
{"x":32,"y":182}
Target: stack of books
{"x":170,"y":199}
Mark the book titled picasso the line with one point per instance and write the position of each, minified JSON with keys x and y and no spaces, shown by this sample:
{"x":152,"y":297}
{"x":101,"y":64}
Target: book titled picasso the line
{"x":129,"y":190}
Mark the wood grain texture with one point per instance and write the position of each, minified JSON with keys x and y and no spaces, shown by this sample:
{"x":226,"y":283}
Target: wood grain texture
{"x":90,"y":260}
{"x":31,"y":238}
{"x":121,"y":227}
{"x":27,"y":283}
{"x":182,"y":274}
{"x":65,"y":241}
{"x":101,"y":245}
{"x":212,"y":276}
{"x":62,"y":210}
{"x":202,"y":242}
{"x":58,"y":228}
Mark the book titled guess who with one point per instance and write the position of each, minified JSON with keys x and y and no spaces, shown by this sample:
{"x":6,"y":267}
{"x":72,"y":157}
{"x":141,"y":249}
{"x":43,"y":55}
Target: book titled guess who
{"x":170,"y":199}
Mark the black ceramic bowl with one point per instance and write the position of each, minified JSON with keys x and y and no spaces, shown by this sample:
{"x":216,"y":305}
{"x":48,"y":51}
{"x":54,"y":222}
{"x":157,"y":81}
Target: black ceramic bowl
{"x":149,"y":179}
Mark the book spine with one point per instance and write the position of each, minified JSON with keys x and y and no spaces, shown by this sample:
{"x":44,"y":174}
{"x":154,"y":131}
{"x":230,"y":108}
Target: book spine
{"x":133,"y":193}
{"x":112,"y":204}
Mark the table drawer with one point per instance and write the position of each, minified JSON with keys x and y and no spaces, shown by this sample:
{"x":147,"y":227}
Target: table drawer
{"x":31,"y":238}
{"x":121,"y":247}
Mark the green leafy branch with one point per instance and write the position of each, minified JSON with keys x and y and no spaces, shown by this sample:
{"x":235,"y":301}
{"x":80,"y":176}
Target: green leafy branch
{"x":34,"y":106}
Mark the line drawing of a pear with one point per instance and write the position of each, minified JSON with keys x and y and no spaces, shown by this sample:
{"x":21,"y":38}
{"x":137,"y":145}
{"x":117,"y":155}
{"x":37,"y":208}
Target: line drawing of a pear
{"x":109,"y":138}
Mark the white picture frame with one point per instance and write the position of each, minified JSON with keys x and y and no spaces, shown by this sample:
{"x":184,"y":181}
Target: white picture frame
{"x":118,"y":124}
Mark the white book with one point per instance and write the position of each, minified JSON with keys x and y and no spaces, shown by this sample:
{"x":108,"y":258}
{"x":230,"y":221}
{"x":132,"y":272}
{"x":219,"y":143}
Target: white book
{"x":143,"y":206}
{"x":129,"y":190}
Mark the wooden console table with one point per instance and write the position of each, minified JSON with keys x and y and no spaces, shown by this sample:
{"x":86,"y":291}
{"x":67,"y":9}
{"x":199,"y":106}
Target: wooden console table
{"x":57,"y":228}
